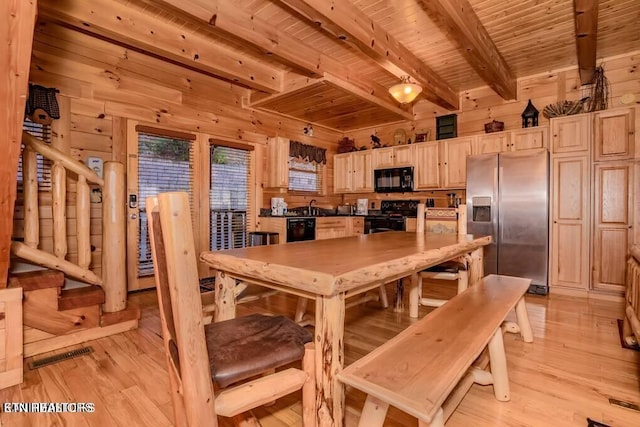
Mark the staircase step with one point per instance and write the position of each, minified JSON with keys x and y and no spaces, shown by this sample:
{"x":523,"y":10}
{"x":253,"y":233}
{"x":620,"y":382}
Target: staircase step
{"x":34,"y":280}
{"x":132,"y":312}
{"x":80,"y":297}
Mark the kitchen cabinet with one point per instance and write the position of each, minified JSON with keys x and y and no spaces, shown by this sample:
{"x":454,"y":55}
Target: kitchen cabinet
{"x":612,"y":224}
{"x":353,"y":172}
{"x":570,"y":134}
{"x":529,"y":138}
{"x":514,"y":140}
{"x":355,"y":226}
{"x":276,"y":225}
{"x":427,"y":165}
{"x":342,"y":173}
{"x":277,"y":174}
{"x":335,"y":227}
{"x":453,"y":161}
{"x":569,"y":252}
{"x":613,"y":134}
{"x":400,"y":155}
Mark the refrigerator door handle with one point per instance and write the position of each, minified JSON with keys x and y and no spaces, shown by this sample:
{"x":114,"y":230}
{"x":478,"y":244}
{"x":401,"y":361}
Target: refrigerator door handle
{"x":499,"y":216}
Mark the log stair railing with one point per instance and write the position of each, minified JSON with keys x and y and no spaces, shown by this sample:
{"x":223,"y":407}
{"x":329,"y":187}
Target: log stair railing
{"x":631,"y":325}
{"x":113,"y":281}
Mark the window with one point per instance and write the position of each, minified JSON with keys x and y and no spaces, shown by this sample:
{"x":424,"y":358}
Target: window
{"x":42,"y":132}
{"x":229,"y":196}
{"x":305,"y":175}
{"x":164,"y":164}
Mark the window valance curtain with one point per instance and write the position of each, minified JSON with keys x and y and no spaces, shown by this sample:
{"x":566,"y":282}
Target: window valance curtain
{"x":308,"y":153}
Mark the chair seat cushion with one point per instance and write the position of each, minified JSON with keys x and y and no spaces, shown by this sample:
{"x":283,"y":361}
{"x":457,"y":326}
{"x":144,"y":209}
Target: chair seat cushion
{"x":244,"y":347}
{"x":447,"y":267}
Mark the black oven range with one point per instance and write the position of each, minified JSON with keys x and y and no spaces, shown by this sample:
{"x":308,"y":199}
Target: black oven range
{"x":392,"y":216}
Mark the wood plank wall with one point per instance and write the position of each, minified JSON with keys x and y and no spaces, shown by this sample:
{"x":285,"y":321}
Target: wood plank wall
{"x":482,"y":105}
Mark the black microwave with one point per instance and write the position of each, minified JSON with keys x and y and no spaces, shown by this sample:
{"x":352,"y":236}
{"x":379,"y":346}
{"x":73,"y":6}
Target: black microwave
{"x":393,"y":180}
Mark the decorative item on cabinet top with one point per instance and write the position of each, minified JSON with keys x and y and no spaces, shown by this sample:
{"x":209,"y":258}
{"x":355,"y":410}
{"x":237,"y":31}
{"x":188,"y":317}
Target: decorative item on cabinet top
{"x":493,"y":126}
{"x":346,"y":145}
{"x":564,"y":108}
{"x":422,"y":135}
{"x":399,"y":137}
{"x":530,"y":116}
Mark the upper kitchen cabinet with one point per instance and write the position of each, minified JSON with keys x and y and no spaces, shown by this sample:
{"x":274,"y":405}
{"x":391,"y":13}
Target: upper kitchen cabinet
{"x":427,"y":165}
{"x":613,"y":134}
{"x":353,"y":172}
{"x":400,"y":155}
{"x":529,"y":138}
{"x":454,"y":154}
{"x":515,"y":140}
{"x":277,"y":174}
{"x":570,"y":134}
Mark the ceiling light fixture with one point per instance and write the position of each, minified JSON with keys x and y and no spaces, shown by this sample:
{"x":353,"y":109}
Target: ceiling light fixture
{"x":406,"y":91}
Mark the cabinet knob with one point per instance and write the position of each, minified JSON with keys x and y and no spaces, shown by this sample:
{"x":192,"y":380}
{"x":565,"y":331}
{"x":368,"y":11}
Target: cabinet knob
{"x":631,"y":226}
{"x":555,"y":222}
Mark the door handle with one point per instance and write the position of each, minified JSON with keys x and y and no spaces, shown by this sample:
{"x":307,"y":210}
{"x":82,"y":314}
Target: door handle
{"x":133,"y":216}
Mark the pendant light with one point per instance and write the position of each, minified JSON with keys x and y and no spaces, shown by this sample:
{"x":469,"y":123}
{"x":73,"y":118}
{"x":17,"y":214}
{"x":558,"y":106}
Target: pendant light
{"x":406,"y":91}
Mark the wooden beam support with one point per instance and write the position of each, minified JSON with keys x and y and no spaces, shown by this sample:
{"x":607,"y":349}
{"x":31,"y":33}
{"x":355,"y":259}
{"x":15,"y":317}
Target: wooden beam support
{"x":128,"y":26}
{"x":345,"y":21}
{"x":463,"y":27}
{"x":17,"y":19}
{"x":586,"y":20}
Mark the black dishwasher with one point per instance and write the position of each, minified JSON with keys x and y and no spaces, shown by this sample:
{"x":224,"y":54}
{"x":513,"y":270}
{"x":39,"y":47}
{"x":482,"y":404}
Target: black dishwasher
{"x":300,"y":229}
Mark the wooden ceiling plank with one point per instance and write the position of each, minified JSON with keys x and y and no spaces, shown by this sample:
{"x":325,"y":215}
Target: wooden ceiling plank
{"x":131,"y":27}
{"x":586,"y":20}
{"x":345,"y":21}
{"x":231,"y":20}
{"x":459,"y":21}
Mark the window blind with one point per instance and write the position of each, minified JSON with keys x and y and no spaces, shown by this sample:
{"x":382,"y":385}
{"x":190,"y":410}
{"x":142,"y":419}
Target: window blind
{"x":230,"y":198}
{"x":305,"y":175}
{"x":164,"y":164}
{"x":42,"y":132}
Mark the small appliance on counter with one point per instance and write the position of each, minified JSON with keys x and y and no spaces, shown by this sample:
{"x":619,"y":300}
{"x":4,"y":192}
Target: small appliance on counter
{"x":278,"y":206}
{"x":362,"y":207}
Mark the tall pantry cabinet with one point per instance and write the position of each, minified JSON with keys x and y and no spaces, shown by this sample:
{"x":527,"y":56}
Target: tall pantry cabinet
{"x":592,"y":195}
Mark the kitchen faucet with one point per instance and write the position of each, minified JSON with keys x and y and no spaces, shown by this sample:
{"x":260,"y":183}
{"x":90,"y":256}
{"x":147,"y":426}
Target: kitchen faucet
{"x":311,"y":207}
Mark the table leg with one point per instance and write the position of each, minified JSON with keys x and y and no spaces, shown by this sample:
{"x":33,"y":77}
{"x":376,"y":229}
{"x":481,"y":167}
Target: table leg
{"x":225,"y":297}
{"x":476,"y":266}
{"x":329,"y":340}
{"x":414,"y":298}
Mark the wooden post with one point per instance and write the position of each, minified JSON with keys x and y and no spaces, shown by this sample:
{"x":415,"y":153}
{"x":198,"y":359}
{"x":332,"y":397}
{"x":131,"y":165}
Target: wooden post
{"x":114,"y":274}
{"x":225,"y":297}
{"x":30,"y":187}
{"x":83,"y":218}
{"x":17,"y":19}
{"x":462,"y":219}
{"x":420,"y":218}
{"x":498,"y":362}
{"x":59,"y":196}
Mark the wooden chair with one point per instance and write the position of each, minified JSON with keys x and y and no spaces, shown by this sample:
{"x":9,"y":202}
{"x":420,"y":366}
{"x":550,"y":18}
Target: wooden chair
{"x":450,"y":270}
{"x":225,"y":368}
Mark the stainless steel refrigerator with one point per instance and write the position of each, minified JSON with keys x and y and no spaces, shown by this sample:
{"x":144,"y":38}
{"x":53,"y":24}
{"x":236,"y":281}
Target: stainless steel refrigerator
{"x":508,"y":198}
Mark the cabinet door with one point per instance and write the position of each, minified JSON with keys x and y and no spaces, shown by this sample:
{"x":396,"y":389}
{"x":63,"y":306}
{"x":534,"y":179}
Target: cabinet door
{"x":278,"y":158}
{"x":492,"y":143}
{"x":342,"y":173}
{"x":570,"y":134}
{"x":427,"y":165}
{"x":613,"y":136}
{"x":611,"y":224}
{"x":569,"y":255}
{"x":331,"y":228}
{"x":383,"y":158}
{"x":355,"y":226}
{"x":528,"y":139}
{"x":362,"y":172}
{"x":454,"y":161}
{"x":403,"y":155}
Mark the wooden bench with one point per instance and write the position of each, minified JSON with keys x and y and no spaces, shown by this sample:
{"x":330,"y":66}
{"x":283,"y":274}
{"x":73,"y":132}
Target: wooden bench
{"x":427,"y":369}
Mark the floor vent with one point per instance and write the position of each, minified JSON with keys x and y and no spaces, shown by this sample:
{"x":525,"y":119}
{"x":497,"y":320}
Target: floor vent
{"x":60,"y":357}
{"x":628,"y":405}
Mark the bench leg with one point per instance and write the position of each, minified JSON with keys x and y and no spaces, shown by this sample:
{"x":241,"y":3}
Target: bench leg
{"x":373,"y":413}
{"x":384,"y":301}
{"x":498,"y":361}
{"x":301,"y":309}
{"x":523,"y":321}
{"x":437,"y":421}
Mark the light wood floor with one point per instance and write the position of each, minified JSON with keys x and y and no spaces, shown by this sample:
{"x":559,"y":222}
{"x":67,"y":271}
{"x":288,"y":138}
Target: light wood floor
{"x":568,"y":374}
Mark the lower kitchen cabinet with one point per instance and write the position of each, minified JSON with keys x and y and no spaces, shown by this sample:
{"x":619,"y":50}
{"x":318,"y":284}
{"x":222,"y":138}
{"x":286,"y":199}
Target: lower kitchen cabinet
{"x":612,"y":224}
{"x":334,"y":227}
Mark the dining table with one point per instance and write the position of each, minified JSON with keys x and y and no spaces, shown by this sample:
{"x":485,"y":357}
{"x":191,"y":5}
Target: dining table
{"x":329,"y":271}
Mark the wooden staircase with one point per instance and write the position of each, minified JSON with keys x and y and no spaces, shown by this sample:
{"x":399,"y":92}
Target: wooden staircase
{"x":54,"y":316}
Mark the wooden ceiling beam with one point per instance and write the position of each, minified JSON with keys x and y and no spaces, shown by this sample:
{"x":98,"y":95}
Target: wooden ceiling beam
{"x":345,"y":21}
{"x":586,"y":20}
{"x":225,"y":18}
{"x":463,"y":27}
{"x":133,"y":28}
